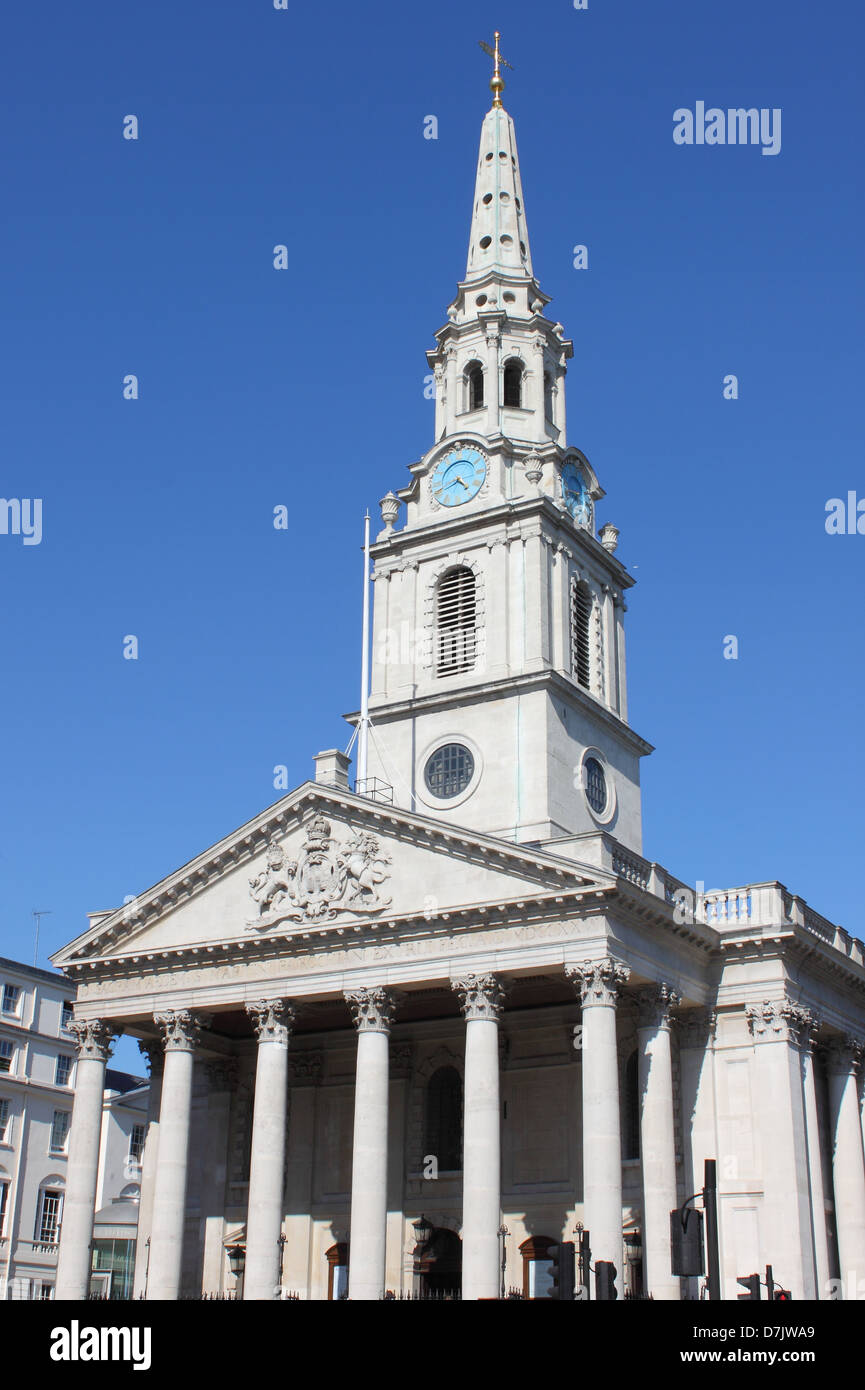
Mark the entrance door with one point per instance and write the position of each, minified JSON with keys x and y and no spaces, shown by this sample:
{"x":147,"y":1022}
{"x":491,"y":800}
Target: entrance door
{"x":439,"y":1265}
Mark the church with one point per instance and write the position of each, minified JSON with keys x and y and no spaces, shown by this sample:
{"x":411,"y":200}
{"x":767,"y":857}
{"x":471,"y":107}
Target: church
{"x":421,"y":1033}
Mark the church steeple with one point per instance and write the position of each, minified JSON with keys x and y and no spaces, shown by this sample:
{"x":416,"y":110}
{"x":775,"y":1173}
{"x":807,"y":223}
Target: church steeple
{"x":499,"y":238}
{"x":498,"y":670}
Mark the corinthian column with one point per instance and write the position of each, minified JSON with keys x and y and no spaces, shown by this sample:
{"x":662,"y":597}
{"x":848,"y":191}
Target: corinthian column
{"x":848,"y":1169}
{"x":808,"y":1042}
{"x":657,"y":1141}
{"x":272,"y":1020}
{"x":373,"y":1011}
{"x":598,"y":983}
{"x":152,"y":1050}
{"x":180,"y":1031}
{"x":481,"y":997}
{"x":93,"y":1039}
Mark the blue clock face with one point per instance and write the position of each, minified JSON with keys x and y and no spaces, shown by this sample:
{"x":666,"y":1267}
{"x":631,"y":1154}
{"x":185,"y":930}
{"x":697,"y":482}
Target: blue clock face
{"x":459,"y":476}
{"x":576,"y":495}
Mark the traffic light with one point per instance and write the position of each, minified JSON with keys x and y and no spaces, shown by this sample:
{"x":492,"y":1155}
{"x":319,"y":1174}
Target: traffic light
{"x":783,"y":1296}
{"x":564,"y":1271}
{"x":605,"y":1280}
{"x":751,"y":1282}
{"x":686,"y":1242}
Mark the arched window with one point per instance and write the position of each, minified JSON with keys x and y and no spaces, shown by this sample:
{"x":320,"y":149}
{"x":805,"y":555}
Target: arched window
{"x":581,"y":618}
{"x":513,"y":383}
{"x":474,"y":379}
{"x":631,"y":1107}
{"x":337,"y":1271}
{"x":443,"y":1127}
{"x":49,"y":1211}
{"x":456,"y":622}
{"x":130,"y":1193}
{"x":537,"y":1253}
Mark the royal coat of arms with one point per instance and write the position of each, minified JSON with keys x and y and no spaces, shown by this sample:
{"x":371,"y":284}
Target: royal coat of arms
{"x":326,"y":878}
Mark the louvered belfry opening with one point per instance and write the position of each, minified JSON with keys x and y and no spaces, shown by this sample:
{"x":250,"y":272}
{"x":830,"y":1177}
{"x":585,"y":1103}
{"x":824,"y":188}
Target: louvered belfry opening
{"x":475,"y":384}
{"x":513,"y":384}
{"x":581,"y":617}
{"x":456,"y":622}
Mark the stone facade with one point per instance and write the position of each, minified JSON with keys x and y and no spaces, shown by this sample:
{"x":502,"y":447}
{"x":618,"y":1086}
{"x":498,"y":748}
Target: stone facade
{"x":468,"y":998}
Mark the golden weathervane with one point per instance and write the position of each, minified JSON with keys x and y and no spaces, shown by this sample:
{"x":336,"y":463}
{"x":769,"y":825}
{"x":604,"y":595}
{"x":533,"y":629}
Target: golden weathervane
{"x":497,"y":85}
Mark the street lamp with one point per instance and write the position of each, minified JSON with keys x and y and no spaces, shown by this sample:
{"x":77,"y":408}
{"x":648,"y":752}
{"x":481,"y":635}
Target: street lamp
{"x":422,"y":1231}
{"x":237,"y":1263}
{"x":503,"y":1235}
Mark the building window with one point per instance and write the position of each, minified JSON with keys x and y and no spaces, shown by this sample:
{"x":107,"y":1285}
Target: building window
{"x":337,"y":1270}
{"x":7,"y":1052}
{"x":631,"y":1107}
{"x":4,"y":1195}
{"x":512,"y":394}
{"x":5,"y":1122}
{"x":449,"y":771}
{"x":136,"y":1143}
{"x":66,"y":1012}
{"x":443,"y":1129}
{"x":596,"y":786}
{"x":46,"y":1291}
{"x":60,"y":1131}
{"x":48,"y":1217}
{"x":456,"y":622}
{"x":538,"y":1267}
{"x":581,"y":620}
{"x":474,"y":380}
{"x":11,"y":999}
{"x":62,"y":1070}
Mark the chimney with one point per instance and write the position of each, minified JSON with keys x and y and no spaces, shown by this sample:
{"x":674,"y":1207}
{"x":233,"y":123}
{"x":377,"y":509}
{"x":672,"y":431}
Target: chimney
{"x":331,"y":769}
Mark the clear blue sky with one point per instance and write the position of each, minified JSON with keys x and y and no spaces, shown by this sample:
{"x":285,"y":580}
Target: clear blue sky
{"x":305,"y":387}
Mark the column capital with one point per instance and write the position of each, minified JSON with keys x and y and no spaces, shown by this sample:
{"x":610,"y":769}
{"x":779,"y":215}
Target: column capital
{"x":180,"y":1029}
{"x":151,"y":1048}
{"x":844,"y":1054}
{"x":481,"y":996}
{"x":272,"y":1020}
{"x":598,"y":981}
{"x":778,"y":1020}
{"x":696,"y":1027}
{"x":372,"y":1009}
{"x":655,"y":1005}
{"x":94,"y":1038}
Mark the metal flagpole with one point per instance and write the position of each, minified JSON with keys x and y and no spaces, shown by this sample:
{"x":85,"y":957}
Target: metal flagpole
{"x":363,"y":732}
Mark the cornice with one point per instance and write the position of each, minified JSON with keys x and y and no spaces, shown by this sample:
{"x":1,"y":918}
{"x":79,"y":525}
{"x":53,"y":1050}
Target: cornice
{"x":533,"y":680}
{"x":792,"y":943}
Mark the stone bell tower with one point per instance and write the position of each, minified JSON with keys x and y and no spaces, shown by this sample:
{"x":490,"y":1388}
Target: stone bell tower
{"x":498,"y":695}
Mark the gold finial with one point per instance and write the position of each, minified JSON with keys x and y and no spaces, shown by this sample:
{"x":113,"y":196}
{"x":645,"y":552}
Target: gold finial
{"x":497,"y":85}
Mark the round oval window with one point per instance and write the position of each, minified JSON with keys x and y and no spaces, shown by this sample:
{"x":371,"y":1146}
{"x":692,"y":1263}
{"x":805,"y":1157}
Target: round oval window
{"x":596,"y":786}
{"x":449,"y":770}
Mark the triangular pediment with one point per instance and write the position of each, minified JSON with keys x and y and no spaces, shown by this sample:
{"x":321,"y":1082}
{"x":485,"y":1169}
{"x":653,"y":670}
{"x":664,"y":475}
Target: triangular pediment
{"x":322,"y":860}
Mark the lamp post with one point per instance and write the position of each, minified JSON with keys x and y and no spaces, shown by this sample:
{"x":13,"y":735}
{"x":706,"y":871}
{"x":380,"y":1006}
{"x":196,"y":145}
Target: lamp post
{"x":281,"y":1239}
{"x":237,"y":1264}
{"x":503,"y":1235}
{"x":423,"y":1231}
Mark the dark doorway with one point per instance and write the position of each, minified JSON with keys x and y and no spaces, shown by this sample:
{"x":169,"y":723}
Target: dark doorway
{"x":438,"y":1265}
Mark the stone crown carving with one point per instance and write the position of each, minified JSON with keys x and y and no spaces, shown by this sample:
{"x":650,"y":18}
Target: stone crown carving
{"x":598,"y":981}
{"x":94,"y":1039}
{"x":272,"y":1020}
{"x":696,"y":1027}
{"x":180,"y":1030}
{"x":655,"y":1006}
{"x":152,"y":1050}
{"x":326,"y":878}
{"x":481,"y":996}
{"x":372,"y":1009}
{"x":845,"y":1054}
{"x":779,"y":1020}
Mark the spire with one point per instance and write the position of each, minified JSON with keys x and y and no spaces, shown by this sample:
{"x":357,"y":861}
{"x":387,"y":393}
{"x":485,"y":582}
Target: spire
{"x":499,"y":238}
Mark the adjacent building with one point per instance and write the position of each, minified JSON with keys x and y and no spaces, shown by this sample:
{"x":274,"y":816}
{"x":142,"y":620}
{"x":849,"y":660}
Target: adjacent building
{"x":37,"y":1091}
